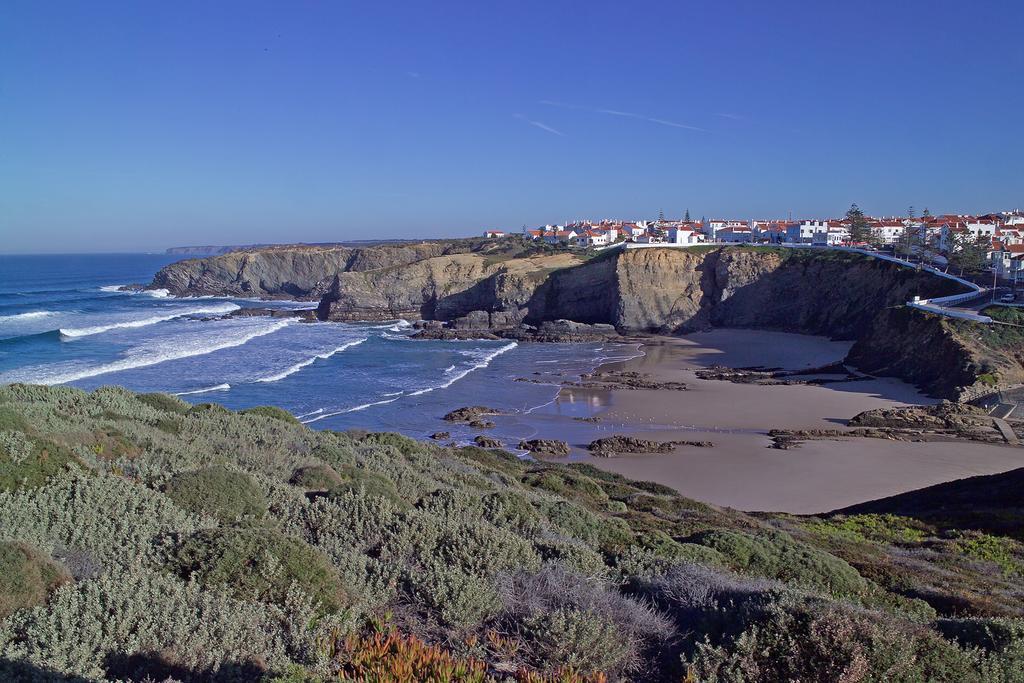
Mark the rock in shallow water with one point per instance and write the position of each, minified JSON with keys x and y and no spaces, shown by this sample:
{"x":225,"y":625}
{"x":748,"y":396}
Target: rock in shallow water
{"x":546,"y":446}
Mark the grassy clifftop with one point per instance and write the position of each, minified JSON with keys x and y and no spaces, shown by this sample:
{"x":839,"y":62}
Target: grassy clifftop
{"x":142,"y":536}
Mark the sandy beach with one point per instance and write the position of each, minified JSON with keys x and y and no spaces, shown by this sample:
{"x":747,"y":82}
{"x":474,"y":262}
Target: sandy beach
{"x":741,"y":471}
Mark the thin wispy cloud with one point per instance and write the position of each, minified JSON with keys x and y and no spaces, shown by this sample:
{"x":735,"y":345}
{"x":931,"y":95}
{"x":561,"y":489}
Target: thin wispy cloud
{"x":726,"y":115}
{"x":625,"y":114}
{"x":539,"y":124}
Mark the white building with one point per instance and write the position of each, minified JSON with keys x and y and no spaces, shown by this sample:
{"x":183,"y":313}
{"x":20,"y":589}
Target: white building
{"x":633,"y":231}
{"x":649,"y":238}
{"x":683,"y":236}
{"x":560,"y":236}
{"x":889,"y":232}
{"x":734,"y":235}
{"x":971,"y":230}
{"x":1009,"y":262}
{"x":712,"y":226}
{"x":832,"y":235}
{"x":804,"y":231}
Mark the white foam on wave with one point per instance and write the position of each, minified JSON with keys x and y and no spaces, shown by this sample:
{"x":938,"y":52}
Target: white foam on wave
{"x":219,"y":387}
{"x":111,"y":288}
{"x":144,"y":322}
{"x":400,"y":325}
{"x":144,"y":356}
{"x":355,"y":409}
{"x":157,"y":293}
{"x":309,"y":361}
{"x":484,"y":360}
{"x":31,"y":315}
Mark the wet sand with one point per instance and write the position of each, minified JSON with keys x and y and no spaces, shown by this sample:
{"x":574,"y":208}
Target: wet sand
{"x":741,"y":471}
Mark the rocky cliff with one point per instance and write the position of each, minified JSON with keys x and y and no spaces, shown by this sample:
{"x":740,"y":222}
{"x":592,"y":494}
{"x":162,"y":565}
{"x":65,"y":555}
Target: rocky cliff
{"x":948,"y":358}
{"x":294,"y":272}
{"x":655,"y":290}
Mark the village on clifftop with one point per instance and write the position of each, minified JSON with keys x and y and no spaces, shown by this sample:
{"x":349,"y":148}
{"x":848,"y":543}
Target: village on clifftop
{"x":993,"y":241}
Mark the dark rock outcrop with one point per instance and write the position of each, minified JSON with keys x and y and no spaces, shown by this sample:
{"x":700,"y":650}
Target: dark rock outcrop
{"x":546,"y":446}
{"x":469,"y":413}
{"x":487,"y":442}
{"x":617,"y":444}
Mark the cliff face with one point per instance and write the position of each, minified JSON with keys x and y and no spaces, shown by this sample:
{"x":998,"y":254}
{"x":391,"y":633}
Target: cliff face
{"x":444,"y":288}
{"x":674,"y":290}
{"x":919,"y":347}
{"x":299,"y":272}
{"x":664,"y":290}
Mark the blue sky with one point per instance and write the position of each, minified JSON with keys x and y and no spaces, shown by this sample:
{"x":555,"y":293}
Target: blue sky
{"x":142,"y":125}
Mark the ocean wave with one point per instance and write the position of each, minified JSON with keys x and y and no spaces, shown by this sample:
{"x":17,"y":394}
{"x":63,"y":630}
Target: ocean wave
{"x":144,"y":322}
{"x":31,"y":315}
{"x":155,"y":293}
{"x":219,"y":387}
{"x":354,"y":409}
{"x":143,"y":357}
{"x":400,"y":325}
{"x":485,"y":359}
{"x":309,"y":361}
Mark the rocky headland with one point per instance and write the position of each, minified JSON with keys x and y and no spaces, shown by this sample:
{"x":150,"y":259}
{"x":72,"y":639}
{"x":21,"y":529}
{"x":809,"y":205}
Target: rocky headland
{"x":513,"y":289}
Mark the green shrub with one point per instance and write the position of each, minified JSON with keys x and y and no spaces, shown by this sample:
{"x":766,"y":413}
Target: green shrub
{"x":27,"y":577}
{"x":217,"y":492}
{"x":11,"y":420}
{"x":315,"y":477}
{"x":611,"y":535}
{"x":457,"y":599}
{"x":85,"y":626}
{"x":404,"y":444}
{"x":165,"y":403}
{"x":209,"y":409}
{"x":820,"y":642}
{"x":32,"y":464}
{"x":257,"y":563}
{"x":273,"y":412}
{"x":1007,"y":553}
{"x":873,"y":527}
{"x":368,"y":482}
{"x":564,"y":620}
{"x":775,"y":554}
{"x":109,"y":520}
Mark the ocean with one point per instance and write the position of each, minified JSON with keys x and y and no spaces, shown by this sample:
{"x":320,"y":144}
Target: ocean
{"x":63,"y":321}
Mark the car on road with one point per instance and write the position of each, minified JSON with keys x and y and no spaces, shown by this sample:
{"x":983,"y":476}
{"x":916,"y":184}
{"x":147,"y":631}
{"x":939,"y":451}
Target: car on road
{"x":1007,"y":298}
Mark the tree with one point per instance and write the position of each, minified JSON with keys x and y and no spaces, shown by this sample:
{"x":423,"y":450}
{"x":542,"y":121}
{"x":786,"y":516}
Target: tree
{"x":686,"y":218}
{"x":926,"y":214}
{"x":910,"y":212}
{"x":969,"y":253}
{"x":860,"y":231}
